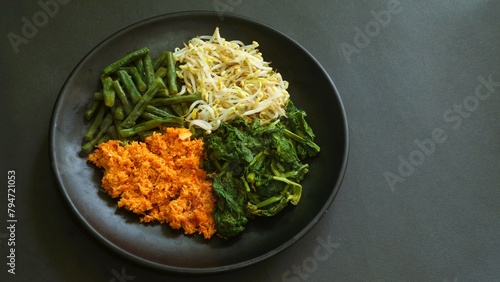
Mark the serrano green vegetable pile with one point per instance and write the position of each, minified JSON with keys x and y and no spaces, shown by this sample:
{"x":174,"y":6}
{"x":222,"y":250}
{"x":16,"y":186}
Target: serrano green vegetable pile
{"x":255,"y":162}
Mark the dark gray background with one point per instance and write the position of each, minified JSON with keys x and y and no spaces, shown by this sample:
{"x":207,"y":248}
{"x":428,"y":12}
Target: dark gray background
{"x":404,"y":80}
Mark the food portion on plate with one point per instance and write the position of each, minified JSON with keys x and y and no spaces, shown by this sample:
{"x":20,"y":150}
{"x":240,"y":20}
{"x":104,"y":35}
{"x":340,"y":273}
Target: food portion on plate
{"x":204,"y":137}
{"x":160,"y":179}
{"x":233,"y":80}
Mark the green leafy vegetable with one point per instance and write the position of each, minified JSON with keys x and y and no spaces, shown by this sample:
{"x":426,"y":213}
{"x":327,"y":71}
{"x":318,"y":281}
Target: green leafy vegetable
{"x":229,"y":215}
{"x":257,"y":169}
{"x":300,"y":131}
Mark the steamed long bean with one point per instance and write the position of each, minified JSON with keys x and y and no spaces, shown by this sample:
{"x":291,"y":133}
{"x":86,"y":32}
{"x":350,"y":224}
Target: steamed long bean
{"x":129,"y":58}
{"x":171,"y":75}
{"x":122,"y":97}
{"x":149,"y":70}
{"x":129,"y":85}
{"x":142,"y":103}
{"x":108,"y":93}
{"x":135,"y":99}
{"x":150,"y":124}
{"x":137,"y":77}
{"x":96,"y":122}
{"x":107,"y":121}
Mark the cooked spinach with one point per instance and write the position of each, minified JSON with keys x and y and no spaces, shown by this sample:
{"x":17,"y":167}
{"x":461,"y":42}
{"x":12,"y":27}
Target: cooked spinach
{"x":257,"y":169}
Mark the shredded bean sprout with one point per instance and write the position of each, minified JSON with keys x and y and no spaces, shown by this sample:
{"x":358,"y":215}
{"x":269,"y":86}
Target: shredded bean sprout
{"x":233,"y":80}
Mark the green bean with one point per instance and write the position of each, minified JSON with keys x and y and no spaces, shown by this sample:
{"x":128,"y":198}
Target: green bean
{"x":107,"y":121}
{"x":108,"y":94}
{"x":161,"y":72}
{"x":160,"y":61}
{"x":129,"y":86}
{"x":89,"y":113}
{"x":137,"y":77}
{"x":116,"y":124}
{"x":98,"y":96}
{"x":96,"y":122}
{"x":189,"y":98}
{"x":104,"y":139}
{"x":113,"y":133}
{"x":149,"y":70}
{"x":171,"y":75}
{"x":142,"y":103}
{"x":112,"y":110}
{"x":87,"y":147}
{"x":185,"y":108}
{"x":129,"y":58}
{"x":119,"y":112}
{"x":162,"y":93}
{"x":158,"y":111}
{"x":149,"y":116}
{"x":139,"y":65}
{"x":122,"y":97}
{"x":137,"y":97}
{"x":150,"y":124}
{"x":180,"y":109}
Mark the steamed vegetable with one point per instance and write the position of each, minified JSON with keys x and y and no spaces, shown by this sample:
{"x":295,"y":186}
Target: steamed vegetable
{"x":127,"y":59}
{"x":134,"y":99}
{"x":257,"y":169}
{"x":233,"y":79}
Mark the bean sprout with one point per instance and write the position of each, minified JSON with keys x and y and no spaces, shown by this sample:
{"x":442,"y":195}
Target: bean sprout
{"x":233,"y":80}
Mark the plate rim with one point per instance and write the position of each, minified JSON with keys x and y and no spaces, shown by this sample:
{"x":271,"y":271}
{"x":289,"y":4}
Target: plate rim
{"x":198,"y":270}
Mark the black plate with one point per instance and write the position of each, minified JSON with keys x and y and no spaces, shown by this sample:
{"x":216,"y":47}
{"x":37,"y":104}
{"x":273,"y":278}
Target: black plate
{"x":157,"y":245}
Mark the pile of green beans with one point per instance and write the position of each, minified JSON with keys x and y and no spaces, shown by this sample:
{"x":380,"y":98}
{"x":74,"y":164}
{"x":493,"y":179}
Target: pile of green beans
{"x":138,"y":95}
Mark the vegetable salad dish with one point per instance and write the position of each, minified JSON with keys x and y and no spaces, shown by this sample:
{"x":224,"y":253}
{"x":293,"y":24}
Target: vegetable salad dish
{"x":204,"y":137}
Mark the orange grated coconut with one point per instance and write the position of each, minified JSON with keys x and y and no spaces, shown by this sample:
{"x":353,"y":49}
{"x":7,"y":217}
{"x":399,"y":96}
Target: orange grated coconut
{"x":160,"y":179}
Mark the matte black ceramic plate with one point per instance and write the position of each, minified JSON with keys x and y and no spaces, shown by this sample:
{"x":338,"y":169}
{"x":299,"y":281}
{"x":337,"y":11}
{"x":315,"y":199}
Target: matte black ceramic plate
{"x":158,"y":245}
